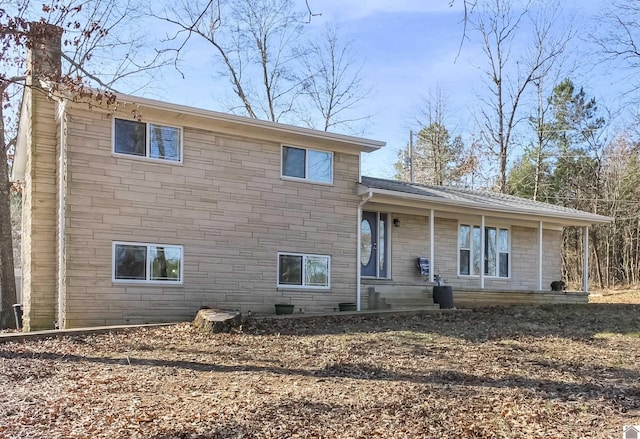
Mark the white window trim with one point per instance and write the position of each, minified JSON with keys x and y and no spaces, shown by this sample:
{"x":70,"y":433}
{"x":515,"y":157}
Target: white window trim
{"x":306,"y":164}
{"x":148,"y":262}
{"x":471,"y":224}
{"x":303,"y":287}
{"x":147,"y":157}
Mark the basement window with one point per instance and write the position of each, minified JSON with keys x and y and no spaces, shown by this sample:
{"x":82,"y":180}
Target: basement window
{"x":303,"y":271}
{"x":147,"y":263}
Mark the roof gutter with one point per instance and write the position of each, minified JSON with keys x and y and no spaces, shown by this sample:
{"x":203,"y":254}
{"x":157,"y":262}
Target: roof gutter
{"x":593,"y":219}
{"x":137,"y":104}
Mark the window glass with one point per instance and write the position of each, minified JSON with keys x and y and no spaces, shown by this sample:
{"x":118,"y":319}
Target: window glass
{"x":504,"y":241}
{"x":131,"y":262}
{"x":465,"y":236}
{"x":365,"y":242}
{"x":382,"y":227}
{"x":490,"y":254}
{"x":504,"y":265}
{"x":164,"y":143}
{"x":464,"y":262}
{"x":320,"y":166}
{"x":165,"y":263}
{"x":316,"y":270}
{"x":290,"y":270}
{"x":476,"y":250}
{"x":293,"y":162}
{"x":130,"y":137}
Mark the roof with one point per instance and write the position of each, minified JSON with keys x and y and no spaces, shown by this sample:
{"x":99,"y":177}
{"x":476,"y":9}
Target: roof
{"x":447,"y":197}
{"x":229,"y":124}
{"x":252,"y":126}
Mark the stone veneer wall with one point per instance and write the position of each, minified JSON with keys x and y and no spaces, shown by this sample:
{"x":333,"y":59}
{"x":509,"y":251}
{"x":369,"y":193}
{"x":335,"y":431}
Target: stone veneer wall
{"x":39,"y":214}
{"x":411,"y":239}
{"x":227,"y":205}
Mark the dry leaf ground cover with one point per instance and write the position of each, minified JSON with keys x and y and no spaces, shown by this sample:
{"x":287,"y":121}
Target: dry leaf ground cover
{"x":534,"y":372}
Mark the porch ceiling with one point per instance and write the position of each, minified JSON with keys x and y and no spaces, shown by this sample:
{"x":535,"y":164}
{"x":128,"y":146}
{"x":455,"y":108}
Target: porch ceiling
{"x":450,"y":202}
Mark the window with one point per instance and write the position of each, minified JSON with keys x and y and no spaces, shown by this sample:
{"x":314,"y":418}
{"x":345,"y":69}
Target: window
{"x":307,"y":164}
{"x":496,"y":251}
{"x":148,"y":140}
{"x":136,"y":262}
{"x":306,"y":271}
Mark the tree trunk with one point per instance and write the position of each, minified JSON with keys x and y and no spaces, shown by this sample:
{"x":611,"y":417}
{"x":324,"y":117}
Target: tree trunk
{"x":7,"y":274}
{"x":594,"y":240}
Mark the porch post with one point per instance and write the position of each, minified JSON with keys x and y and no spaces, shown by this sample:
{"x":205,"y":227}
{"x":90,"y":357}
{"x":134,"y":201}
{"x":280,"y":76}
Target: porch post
{"x":482,"y":244}
{"x":432,"y":247}
{"x":358,"y":264}
{"x":585,"y":259}
{"x":540,"y":255}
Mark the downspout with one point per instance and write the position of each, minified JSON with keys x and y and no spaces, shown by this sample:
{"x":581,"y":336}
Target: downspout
{"x":358,"y":244}
{"x":62,"y":121}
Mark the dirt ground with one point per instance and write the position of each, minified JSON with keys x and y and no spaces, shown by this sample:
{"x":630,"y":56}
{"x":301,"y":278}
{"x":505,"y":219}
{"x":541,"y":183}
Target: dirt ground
{"x":537,"y":372}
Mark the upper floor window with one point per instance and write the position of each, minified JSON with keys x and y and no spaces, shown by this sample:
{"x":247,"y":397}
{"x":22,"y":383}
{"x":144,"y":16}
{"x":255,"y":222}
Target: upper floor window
{"x":496,"y":251}
{"x":147,"y":263}
{"x":307,"y":164}
{"x":147,"y":140}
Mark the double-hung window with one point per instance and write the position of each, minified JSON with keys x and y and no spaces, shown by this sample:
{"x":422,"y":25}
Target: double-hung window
{"x":149,"y":140}
{"x":147,"y":263}
{"x":303,"y":271}
{"x":307,"y":164}
{"x":495,"y":253}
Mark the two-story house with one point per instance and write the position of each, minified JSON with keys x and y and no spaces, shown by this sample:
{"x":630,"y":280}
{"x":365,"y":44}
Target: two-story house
{"x":137,"y":210}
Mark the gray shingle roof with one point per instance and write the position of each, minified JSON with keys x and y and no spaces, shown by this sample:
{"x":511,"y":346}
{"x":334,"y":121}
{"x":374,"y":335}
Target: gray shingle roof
{"x":481,"y":200}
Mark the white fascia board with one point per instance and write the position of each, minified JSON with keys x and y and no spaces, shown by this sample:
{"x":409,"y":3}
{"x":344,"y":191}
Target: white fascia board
{"x":240,"y":124}
{"x":440,"y":202}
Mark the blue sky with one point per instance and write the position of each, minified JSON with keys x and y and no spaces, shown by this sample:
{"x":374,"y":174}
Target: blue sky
{"x":408,"y":48}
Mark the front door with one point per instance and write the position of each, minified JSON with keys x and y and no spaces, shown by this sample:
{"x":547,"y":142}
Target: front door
{"x":373,"y":244}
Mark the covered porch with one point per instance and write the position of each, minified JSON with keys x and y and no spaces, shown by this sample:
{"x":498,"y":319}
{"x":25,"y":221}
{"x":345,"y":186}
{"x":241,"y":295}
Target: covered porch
{"x":491,"y":248}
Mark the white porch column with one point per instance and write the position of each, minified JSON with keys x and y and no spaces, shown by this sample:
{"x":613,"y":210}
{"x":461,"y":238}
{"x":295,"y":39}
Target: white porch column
{"x":585,"y":260}
{"x":540,"y":255}
{"x":432,"y":247}
{"x":358,"y":268}
{"x":482,"y":244}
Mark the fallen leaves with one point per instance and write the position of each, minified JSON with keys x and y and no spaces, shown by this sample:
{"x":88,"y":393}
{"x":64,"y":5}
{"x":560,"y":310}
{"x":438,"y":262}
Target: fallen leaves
{"x":494,"y":373}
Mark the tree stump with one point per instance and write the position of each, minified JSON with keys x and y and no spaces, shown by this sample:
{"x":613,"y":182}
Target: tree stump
{"x":217,"y":320}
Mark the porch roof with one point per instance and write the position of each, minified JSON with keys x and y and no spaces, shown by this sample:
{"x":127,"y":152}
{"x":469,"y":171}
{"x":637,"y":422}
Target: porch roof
{"x":444,"y":198}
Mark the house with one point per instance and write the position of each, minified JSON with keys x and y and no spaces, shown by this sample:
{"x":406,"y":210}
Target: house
{"x":137,"y":211}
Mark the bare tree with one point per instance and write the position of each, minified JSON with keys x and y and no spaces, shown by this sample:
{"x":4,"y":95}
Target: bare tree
{"x":620,"y":40}
{"x":92,"y":38}
{"x":332,"y":80}
{"x":255,"y":42}
{"x":507,"y":76}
